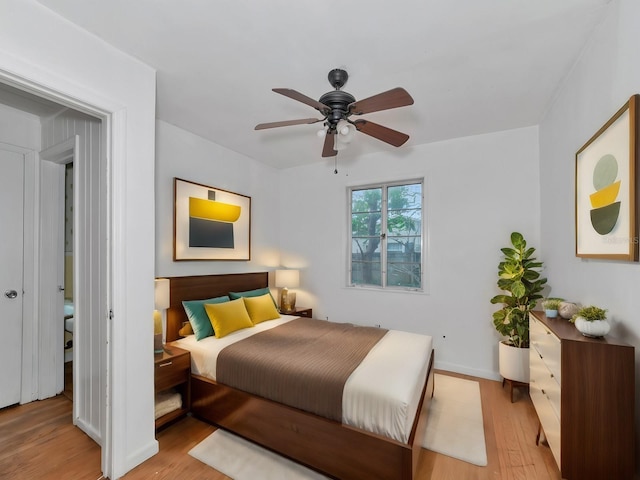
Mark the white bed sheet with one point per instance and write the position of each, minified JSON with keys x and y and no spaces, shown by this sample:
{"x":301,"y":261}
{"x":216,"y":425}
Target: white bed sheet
{"x":380,"y":396}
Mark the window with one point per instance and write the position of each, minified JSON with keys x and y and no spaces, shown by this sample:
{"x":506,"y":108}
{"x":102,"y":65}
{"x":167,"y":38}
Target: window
{"x":386,"y":235}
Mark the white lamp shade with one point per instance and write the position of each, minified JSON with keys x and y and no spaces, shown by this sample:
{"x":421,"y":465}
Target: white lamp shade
{"x":345,"y":133}
{"x":287,"y":278}
{"x":162,"y":294}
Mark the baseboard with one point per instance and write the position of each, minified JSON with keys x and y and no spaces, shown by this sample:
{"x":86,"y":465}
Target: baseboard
{"x":136,"y":458}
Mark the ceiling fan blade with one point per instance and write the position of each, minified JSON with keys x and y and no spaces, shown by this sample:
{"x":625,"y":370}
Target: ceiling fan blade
{"x":329,"y":140}
{"x":397,"y":97}
{"x":392,"y":137}
{"x":286,"y":123}
{"x":287,"y":92}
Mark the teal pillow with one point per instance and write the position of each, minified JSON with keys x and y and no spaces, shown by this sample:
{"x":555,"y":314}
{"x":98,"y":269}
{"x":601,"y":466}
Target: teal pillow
{"x":198,"y":317}
{"x":258,"y":292}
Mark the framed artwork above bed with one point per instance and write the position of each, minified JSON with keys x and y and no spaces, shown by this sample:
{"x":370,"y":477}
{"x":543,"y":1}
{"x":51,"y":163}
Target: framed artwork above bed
{"x":210,"y":223}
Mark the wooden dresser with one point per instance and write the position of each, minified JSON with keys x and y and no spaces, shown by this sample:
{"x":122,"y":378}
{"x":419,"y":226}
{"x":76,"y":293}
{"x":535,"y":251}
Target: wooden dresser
{"x":583,"y":392}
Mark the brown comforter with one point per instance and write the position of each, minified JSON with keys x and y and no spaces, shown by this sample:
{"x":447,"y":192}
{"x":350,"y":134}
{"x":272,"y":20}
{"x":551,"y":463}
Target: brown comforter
{"x":303,"y":363}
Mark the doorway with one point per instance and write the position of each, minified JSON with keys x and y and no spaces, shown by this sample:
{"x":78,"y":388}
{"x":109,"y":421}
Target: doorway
{"x":62,"y":133}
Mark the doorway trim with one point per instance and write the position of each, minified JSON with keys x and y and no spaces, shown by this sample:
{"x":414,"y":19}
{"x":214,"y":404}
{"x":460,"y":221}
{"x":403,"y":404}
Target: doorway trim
{"x":113,"y":117}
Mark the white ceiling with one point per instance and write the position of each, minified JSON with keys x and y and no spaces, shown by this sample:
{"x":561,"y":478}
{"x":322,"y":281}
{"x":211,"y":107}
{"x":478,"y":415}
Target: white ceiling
{"x":472,"y":66}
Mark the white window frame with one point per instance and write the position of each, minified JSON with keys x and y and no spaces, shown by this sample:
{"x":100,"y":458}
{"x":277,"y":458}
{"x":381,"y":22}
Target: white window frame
{"x":384,"y":185}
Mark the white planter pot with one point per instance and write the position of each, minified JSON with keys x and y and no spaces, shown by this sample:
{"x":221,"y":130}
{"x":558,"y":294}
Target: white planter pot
{"x":595,"y":328}
{"x":513,"y":363}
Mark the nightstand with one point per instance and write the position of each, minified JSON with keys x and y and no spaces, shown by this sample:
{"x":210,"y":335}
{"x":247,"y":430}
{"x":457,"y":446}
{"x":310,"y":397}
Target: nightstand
{"x":301,"y":312}
{"x":173,"y":372}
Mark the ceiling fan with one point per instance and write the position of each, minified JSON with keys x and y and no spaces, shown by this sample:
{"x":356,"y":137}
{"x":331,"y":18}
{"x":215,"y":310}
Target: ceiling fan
{"x":338,"y":106}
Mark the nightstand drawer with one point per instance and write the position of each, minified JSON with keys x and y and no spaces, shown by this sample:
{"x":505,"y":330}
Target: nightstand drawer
{"x":172,"y":371}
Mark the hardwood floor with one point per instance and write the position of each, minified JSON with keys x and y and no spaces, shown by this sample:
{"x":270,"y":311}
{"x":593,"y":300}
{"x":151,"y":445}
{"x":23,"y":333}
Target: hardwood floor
{"x":37,"y":440}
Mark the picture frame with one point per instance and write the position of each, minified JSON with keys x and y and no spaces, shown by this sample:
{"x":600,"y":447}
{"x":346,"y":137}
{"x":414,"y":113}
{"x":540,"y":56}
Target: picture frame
{"x":606,"y":189}
{"x":210,"y":223}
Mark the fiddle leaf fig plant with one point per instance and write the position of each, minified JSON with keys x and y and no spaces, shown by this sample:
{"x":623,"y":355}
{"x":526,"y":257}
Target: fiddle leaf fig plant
{"x":519,"y":278}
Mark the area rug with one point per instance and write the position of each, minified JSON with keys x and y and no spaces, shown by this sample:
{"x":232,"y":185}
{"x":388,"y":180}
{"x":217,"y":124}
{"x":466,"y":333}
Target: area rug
{"x":243,"y":460}
{"x":454,"y":428}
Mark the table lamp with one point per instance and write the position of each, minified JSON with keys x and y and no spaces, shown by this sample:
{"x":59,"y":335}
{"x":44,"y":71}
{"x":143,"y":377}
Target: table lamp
{"x":286,"y":279}
{"x":161,"y":303}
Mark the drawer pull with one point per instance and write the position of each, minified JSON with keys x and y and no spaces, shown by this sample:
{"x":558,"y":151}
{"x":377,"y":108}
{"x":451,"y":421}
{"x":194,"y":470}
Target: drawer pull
{"x":166,"y":364}
{"x":543,"y":392}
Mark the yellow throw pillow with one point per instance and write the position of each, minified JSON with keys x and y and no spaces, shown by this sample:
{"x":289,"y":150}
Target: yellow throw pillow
{"x":261,"y":308}
{"x":228,"y":317}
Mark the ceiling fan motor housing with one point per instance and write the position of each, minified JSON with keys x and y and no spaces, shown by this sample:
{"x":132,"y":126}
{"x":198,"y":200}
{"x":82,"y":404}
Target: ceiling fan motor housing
{"x":338,"y":101}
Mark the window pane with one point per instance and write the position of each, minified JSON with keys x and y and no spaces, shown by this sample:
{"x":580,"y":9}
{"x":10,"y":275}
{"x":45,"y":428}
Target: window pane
{"x":404,"y":249}
{"x":366,"y":273}
{"x":405,"y":196}
{"x":365,"y":224}
{"x":403,"y":275}
{"x":365,"y":249}
{"x":404,"y":222}
{"x":369,"y":200}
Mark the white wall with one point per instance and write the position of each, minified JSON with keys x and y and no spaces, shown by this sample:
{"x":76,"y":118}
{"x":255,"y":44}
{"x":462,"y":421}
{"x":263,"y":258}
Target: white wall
{"x":607,"y":74}
{"x":187,"y":156}
{"x":40,"y":48}
{"x":19,"y":128}
{"x":477,"y":189}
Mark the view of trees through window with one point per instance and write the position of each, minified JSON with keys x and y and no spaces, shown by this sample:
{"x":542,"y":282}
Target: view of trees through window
{"x":386,"y":235}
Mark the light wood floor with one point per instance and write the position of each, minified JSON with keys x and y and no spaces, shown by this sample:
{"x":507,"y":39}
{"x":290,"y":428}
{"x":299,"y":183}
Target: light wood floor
{"x":37,"y":440}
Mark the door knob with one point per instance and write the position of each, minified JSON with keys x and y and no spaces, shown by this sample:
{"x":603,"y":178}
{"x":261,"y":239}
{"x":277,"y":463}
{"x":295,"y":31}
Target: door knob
{"x":11,"y":294}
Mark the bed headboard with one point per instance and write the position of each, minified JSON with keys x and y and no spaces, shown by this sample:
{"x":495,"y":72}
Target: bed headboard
{"x":205,"y":286}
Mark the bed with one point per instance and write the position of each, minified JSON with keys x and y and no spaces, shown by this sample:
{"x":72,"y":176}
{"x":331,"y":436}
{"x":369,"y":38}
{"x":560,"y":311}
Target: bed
{"x":347,"y":449}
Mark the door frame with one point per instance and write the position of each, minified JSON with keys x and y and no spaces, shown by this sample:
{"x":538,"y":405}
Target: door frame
{"x":113,"y":117}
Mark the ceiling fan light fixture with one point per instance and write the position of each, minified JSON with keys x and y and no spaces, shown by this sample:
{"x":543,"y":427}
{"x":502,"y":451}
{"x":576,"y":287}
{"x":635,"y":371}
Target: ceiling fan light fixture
{"x":346,"y":133}
{"x":321,"y":133}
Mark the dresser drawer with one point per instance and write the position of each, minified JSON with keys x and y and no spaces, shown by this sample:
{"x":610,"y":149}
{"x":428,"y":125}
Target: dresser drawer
{"x":171,"y":372}
{"x":547,"y":345}
{"x":550,"y":422}
{"x":545,"y":380}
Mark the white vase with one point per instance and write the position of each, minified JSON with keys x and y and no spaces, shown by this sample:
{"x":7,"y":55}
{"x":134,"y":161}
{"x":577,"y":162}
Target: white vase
{"x":513,"y":363}
{"x":594,"y":328}
{"x":550,"y":313}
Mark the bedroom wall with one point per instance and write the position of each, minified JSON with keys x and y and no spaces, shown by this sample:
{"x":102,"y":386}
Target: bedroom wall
{"x":473,"y":204}
{"x":187,"y":156}
{"x":604,"y":78}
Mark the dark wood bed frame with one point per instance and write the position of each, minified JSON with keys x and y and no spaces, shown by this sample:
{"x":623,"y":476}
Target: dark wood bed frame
{"x":334,"y":449}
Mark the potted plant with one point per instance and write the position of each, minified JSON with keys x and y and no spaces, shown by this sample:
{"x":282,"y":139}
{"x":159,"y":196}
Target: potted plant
{"x":519,"y":278}
{"x":551,"y":306}
{"x":591,"y":321}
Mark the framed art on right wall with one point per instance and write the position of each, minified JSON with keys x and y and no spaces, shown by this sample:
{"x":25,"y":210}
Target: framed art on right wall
{"x":605,"y":191}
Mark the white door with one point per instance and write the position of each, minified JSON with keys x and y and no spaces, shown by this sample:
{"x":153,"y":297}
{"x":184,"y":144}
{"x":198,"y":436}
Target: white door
{"x":11,"y":251}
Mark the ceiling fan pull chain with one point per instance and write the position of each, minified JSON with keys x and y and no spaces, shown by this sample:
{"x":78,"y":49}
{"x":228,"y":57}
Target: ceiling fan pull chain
{"x":335,"y":159}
